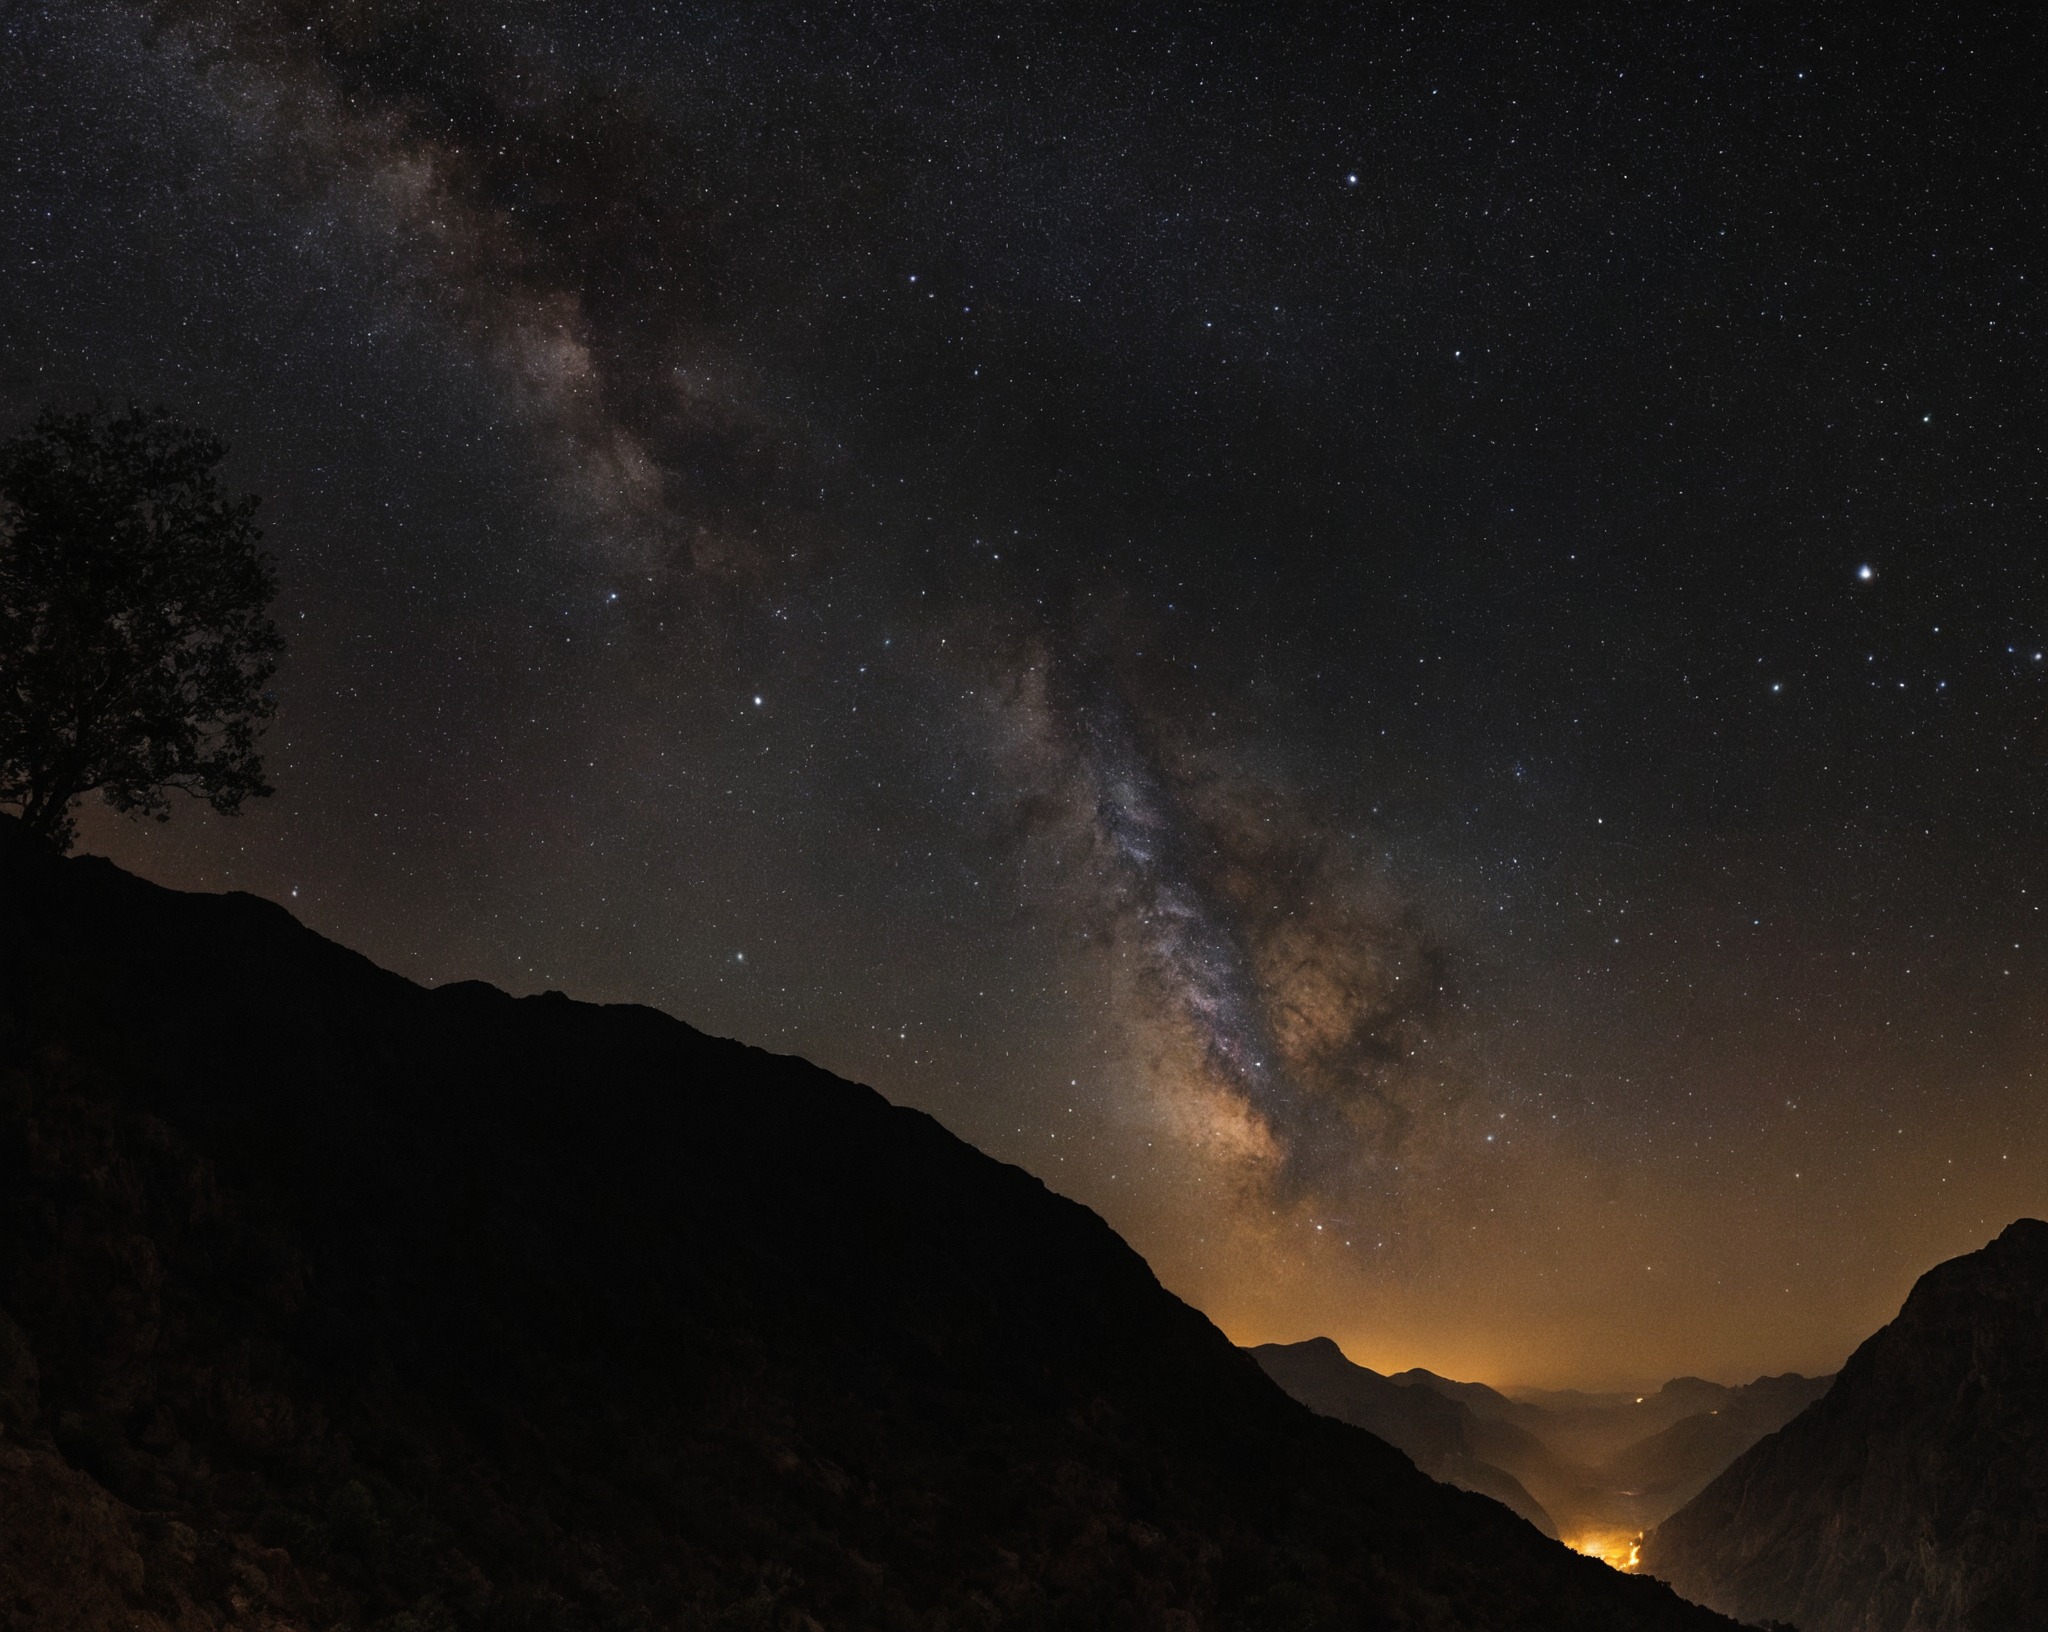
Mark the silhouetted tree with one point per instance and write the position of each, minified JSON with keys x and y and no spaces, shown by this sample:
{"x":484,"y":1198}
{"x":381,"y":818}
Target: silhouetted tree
{"x":135,"y":644}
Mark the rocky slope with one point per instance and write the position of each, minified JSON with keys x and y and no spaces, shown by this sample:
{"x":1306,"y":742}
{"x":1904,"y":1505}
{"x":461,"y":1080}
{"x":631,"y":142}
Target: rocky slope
{"x":1436,"y":1433}
{"x":334,"y":1302}
{"x":1914,"y":1496}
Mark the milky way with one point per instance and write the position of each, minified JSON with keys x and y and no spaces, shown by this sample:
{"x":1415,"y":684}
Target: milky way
{"x":1263,"y":612}
{"x":651,"y":430}
{"x":1299,"y":1016}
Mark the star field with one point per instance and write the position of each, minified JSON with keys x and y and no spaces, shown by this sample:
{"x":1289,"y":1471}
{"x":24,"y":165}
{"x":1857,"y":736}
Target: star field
{"x":1403,"y":650}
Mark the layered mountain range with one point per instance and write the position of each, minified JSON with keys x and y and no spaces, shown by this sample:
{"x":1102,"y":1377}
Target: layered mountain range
{"x":1442,"y":1436}
{"x":1597,"y":1468}
{"x":1914,"y":1496}
{"x":328,"y":1300}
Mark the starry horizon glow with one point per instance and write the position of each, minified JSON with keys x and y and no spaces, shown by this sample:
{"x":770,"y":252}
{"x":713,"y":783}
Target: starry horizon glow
{"x":1403,"y":652}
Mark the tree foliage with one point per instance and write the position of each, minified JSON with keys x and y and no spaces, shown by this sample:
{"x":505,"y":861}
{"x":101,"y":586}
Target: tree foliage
{"x":135,"y":644}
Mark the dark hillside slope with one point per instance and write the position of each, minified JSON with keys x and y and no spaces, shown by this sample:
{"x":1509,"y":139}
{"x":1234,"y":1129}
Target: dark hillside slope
{"x":333,"y":1301}
{"x":1913,"y":1497}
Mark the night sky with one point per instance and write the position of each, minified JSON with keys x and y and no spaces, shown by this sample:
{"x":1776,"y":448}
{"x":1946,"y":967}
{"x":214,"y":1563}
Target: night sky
{"x":1403,"y":648}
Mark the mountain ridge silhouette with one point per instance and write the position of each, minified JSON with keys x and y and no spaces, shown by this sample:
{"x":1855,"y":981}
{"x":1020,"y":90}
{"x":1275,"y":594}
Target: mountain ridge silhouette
{"x":331,"y":1300}
{"x":1913,"y":1496}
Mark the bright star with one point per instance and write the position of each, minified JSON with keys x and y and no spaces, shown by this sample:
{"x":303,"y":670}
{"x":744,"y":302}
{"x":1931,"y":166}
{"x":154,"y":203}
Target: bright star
{"x":1865,"y":572}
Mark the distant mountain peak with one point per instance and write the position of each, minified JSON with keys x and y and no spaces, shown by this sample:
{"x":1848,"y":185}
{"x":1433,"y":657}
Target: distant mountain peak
{"x":1439,"y":1433}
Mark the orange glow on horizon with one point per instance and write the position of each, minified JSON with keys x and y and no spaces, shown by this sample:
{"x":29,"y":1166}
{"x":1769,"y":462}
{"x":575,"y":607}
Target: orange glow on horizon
{"x":1619,"y":1549}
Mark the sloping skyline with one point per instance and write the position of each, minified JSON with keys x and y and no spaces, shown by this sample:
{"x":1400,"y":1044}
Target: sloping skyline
{"x":1404,"y":653}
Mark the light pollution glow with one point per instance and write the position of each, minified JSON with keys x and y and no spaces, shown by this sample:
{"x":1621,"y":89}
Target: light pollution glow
{"x":1616,"y":1548}
{"x":1312,"y":1102}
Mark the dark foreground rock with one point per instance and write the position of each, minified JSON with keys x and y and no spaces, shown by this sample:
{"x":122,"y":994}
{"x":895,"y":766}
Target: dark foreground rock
{"x":1914,"y":1496}
{"x":332,"y":1301}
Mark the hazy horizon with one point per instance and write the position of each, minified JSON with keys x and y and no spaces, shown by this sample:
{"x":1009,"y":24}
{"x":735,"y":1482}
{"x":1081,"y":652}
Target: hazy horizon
{"x":1404,"y":652}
